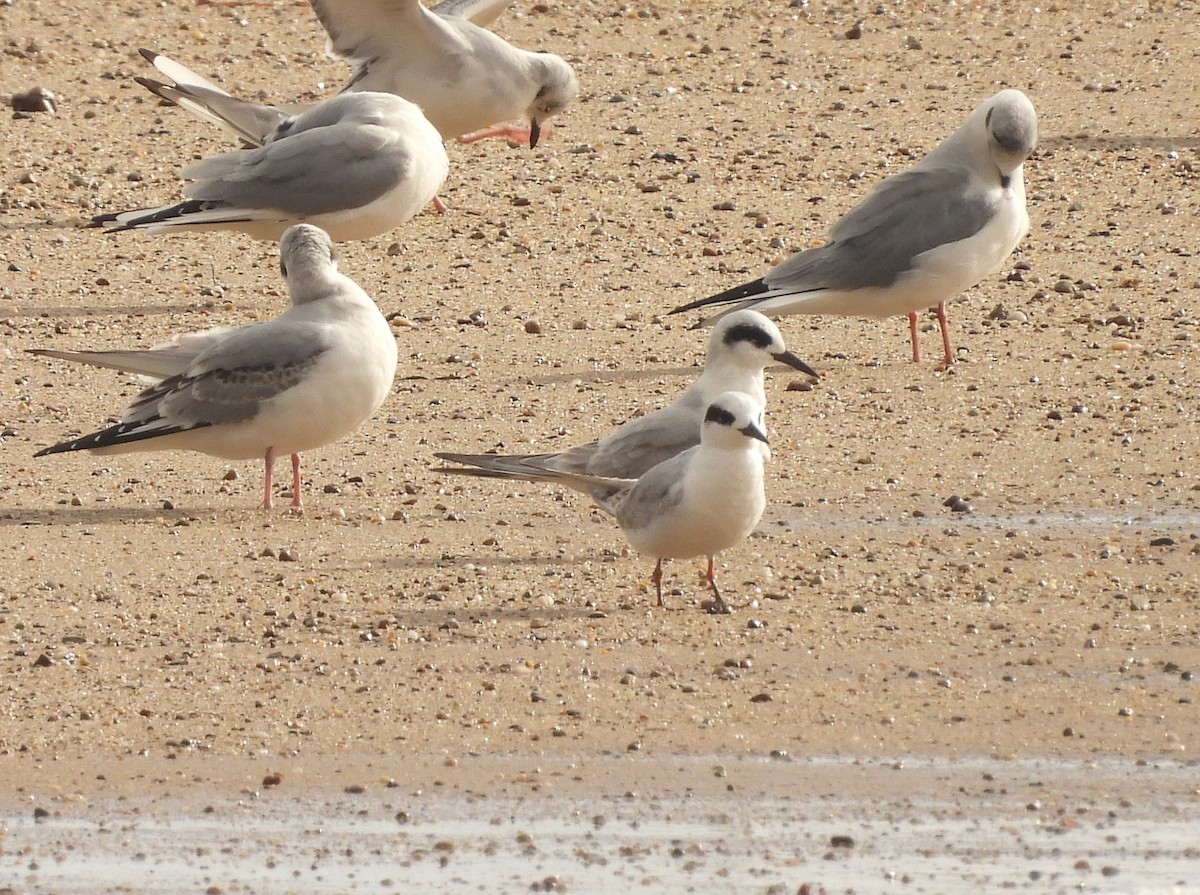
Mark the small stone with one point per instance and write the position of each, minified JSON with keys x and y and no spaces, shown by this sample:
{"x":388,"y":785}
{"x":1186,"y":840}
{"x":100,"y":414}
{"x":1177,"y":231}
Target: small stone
{"x":956,"y":504}
{"x":272,"y":780}
{"x":855,"y":32}
{"x":287,"y":554}
{"x":761,"y":697}
{"x":533,"y":327}
{"x":43,"y":661}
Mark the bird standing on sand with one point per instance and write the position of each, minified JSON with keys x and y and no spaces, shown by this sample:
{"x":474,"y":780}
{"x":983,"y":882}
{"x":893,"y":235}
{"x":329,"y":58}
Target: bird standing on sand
{"x":697,"y":503}
{"x":307,"y":378}
{"x":356,"y":165}
{"x":921,"y":237}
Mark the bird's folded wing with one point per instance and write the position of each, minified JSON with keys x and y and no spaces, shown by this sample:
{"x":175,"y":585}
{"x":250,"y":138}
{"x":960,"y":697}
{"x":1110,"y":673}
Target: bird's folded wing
{"x":315,"y":171}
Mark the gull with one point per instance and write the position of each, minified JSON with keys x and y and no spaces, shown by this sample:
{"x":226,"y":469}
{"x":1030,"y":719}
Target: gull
{"x":921,"y":237}
{"x":355,"y":165}
{"x":305,"y":379}
{"x":469,"y":82}
{"x":741,"y":346}
{"x":697,"y":503}
{"x":466,"y":78}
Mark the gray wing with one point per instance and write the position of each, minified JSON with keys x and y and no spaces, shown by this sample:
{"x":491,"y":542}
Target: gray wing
{"x":168,"y":359}
{"x":231,"y":381}
{"x":249,"y":122}
{"x":315,"y":171}
{"x":658,"y":491}
{"x":159,"y":364}
{"x":479,"y":12}
{"x":877,"y":241}
{"x":645,"y":442}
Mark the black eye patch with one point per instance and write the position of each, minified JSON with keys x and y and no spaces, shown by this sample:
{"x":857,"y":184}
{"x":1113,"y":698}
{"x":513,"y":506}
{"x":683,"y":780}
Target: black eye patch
{"x":748,"y":332}
{"x":718,"y":414}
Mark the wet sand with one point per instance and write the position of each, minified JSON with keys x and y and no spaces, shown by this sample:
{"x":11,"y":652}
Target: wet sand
{"x":155,"y":626}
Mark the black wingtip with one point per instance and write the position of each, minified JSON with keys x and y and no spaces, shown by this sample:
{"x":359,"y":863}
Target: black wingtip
{"x":728,"y":297}
{"x":155,"y":87}
{"x":148,"y":55}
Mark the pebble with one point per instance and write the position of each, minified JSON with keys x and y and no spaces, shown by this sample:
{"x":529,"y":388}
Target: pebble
{"x":533,"y":327}
{"x":957,"y":504}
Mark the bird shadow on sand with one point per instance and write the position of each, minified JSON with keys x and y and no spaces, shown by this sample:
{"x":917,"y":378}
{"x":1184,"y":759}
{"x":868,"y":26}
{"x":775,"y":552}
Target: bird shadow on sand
{"x":98,"y":515}
{"x":1119,"y":141}
{"x":112,"y":311}
{"x":492,"y":560}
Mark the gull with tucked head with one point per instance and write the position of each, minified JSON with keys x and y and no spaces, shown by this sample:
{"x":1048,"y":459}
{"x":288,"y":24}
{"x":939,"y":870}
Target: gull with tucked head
{"x":921,"y":237}
{"x":356,"y":165}
{"x":309,"y":377}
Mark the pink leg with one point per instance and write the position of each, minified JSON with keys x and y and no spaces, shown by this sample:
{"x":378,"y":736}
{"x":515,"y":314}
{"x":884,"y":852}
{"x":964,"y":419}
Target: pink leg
{"x":268,"y":471}
{"x":507,"y":131}
{"x":944,"y":324}
{"x":439,"y":206}
{"x":718,"y":606}
{"x":297,"y":502}
{"x":657,"y":579}
{"x":912,"y":333}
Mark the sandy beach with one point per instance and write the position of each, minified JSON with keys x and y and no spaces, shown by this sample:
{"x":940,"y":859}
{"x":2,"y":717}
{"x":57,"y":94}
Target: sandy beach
{"x":156,"y":626}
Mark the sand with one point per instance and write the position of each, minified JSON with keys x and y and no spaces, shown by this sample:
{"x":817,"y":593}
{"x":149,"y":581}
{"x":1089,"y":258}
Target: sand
{"x":156,"y":627}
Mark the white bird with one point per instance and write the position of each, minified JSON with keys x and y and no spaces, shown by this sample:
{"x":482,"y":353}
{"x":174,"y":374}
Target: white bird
{"x":466,"y":78}
{"x":312,"y":375}
{"x":697,"y":503}
{"x":741,"y":346}
{"x":921,"y":237}
{"x":356,"y":165}
{"x":469,"y":82}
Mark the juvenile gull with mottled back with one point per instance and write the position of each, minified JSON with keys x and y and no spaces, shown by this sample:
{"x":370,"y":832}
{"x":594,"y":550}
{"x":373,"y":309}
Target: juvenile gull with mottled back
{"x":307,"y":378}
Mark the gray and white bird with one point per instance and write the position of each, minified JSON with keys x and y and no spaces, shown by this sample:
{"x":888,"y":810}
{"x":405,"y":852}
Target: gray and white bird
{"x":469,"y":81}
{"x":921,"y":237}
{"x":305,"y":379}
{"x":356,"y":165}
{"x":699,"y":502}
{"x":740,"y":348}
